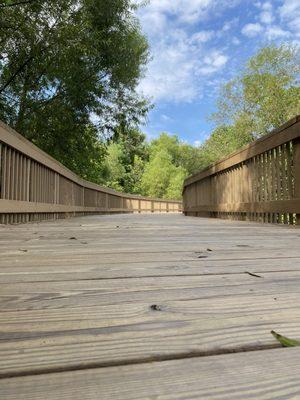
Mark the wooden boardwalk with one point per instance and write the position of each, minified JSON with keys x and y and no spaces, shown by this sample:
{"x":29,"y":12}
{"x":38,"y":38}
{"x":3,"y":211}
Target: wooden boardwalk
{"x":148,"y":307}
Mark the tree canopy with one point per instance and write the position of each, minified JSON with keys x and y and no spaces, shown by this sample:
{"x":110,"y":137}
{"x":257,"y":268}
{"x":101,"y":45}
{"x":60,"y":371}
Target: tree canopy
{"x":68,"y":73}
{"x":68,"y":76}
{"x":260,"y":98}
{"x":264,"y":95}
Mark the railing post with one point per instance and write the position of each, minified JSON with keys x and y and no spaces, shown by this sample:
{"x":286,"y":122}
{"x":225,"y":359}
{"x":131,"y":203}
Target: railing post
{"x":106,"y":201}
{"x":56,"y":188}
{"x":27,"y":187}
{"x":296,"y":159}
{"x":73,"y":195}
{"x":27,"y":184}
{"x":34,"y":186}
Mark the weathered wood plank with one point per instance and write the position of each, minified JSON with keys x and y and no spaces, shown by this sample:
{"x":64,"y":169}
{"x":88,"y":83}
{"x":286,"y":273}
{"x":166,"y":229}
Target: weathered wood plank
{"x":132,"y":289}
{"x":282,"y":206}
{"x":264,"y":375}
{"x":124,"y":285}
{"x":284,"y":134}
{"x":25,"y":323}
{"x":70,"y":196}
{"x":19,"y":143}
{"x":271,"y":162}
{"x":93,"y":271}
{"x":111,"y":335}
{"x":219,"y":314}
{"x":112,"y":291}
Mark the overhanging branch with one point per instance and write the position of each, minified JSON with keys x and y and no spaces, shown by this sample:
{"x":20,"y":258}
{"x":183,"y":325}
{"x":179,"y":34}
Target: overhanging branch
{"x":18,"y":3}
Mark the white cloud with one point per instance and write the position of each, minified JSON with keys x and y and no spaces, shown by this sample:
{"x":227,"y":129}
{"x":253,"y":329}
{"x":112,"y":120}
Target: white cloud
{"x":175,"y":72}
{"x":212,"y":63}
{"x":267,"y":6}
{"x":276,"y":24}
{"x":153,"y":22}
{"x":180,"y":56}
{"x":166,"y":118}
{"x":202,"y":36}
{"x":216,"y":59}
{"x":198,"y":143}
{"x":267,"y":13}
{"x":275,"y":32}
{"x":228,"y":25}
{"x":289,"y":8}
{"x":203,"y":136}
{"x":290,"y":15}
{"x":170,"y":72}
{"x":236,"y":41}
{"x":266,"y":17}
{"x":189,"y":11}
{"x":252,"y":30}
{"x":185,"y":53}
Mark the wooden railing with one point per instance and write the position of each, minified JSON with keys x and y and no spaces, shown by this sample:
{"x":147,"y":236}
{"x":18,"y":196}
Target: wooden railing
{"x":34,"y":187}
{"x":260,"y":182}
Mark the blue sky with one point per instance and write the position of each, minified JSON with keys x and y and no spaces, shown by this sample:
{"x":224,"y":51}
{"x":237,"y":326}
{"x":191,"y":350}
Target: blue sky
{"x":196,"y":45}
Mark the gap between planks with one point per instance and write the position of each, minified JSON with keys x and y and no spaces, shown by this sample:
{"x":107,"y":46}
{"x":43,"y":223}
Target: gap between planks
{"x":140,"y":360}
{"x":257,"y":273}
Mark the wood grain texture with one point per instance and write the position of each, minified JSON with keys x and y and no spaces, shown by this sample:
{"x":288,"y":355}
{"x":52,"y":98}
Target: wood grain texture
{"x":263,"y":375}
{"x":257,"y":183}
{"x":287,"y":132}
{"x":94,"y":271}
{"x":36,"y":187}
{"x":68,"y":338}
{"x":18,"y":142}
{"x":99,"y":294}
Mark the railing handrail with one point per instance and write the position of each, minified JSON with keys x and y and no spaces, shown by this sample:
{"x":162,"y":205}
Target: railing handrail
{"x":259,"y":182}
{"x":15,"y":140}
{"x":34,"y":186}
{"x":269,"y":141}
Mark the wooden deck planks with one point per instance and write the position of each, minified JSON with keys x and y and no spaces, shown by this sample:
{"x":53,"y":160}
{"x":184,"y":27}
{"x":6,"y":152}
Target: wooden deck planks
{"x":259,"y":375}
{"x":115,"y":335}
{"x":132,"y":289}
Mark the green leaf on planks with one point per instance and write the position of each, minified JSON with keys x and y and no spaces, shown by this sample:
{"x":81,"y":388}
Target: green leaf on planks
{"x":286,"y":342}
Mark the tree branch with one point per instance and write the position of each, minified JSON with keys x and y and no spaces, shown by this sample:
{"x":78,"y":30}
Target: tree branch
{"x":18,"y":3}
{"x":16,"y":73}
{"x":22,"y":67}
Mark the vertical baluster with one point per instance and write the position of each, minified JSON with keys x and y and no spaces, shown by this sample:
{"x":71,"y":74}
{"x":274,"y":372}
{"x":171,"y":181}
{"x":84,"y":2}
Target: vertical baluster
{"x":296,"y":164}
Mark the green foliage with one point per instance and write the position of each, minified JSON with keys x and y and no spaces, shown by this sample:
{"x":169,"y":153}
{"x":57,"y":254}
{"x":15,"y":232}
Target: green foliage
{"x":164,"y":174}
{"x":157,"y":174}
{"x":113,"y":166}
{"x":135,"y":176}
{"x":192,"y":159}
{"x":63,"y":61}
{"x":223,"y":141}
{"x":265,"y":95}
{"x":174,"y":189}
{"x":286,"y":342}
{"x":68,"y":73}
{"x":167,"y":143}
{"x":127,"y":153}
{"x":182,"y":154}
{"x":157,"y":169}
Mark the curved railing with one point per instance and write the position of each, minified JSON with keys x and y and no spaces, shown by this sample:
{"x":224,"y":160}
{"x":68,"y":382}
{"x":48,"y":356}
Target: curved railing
{"x":34,"y":186}
{"x":260,"y":182}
